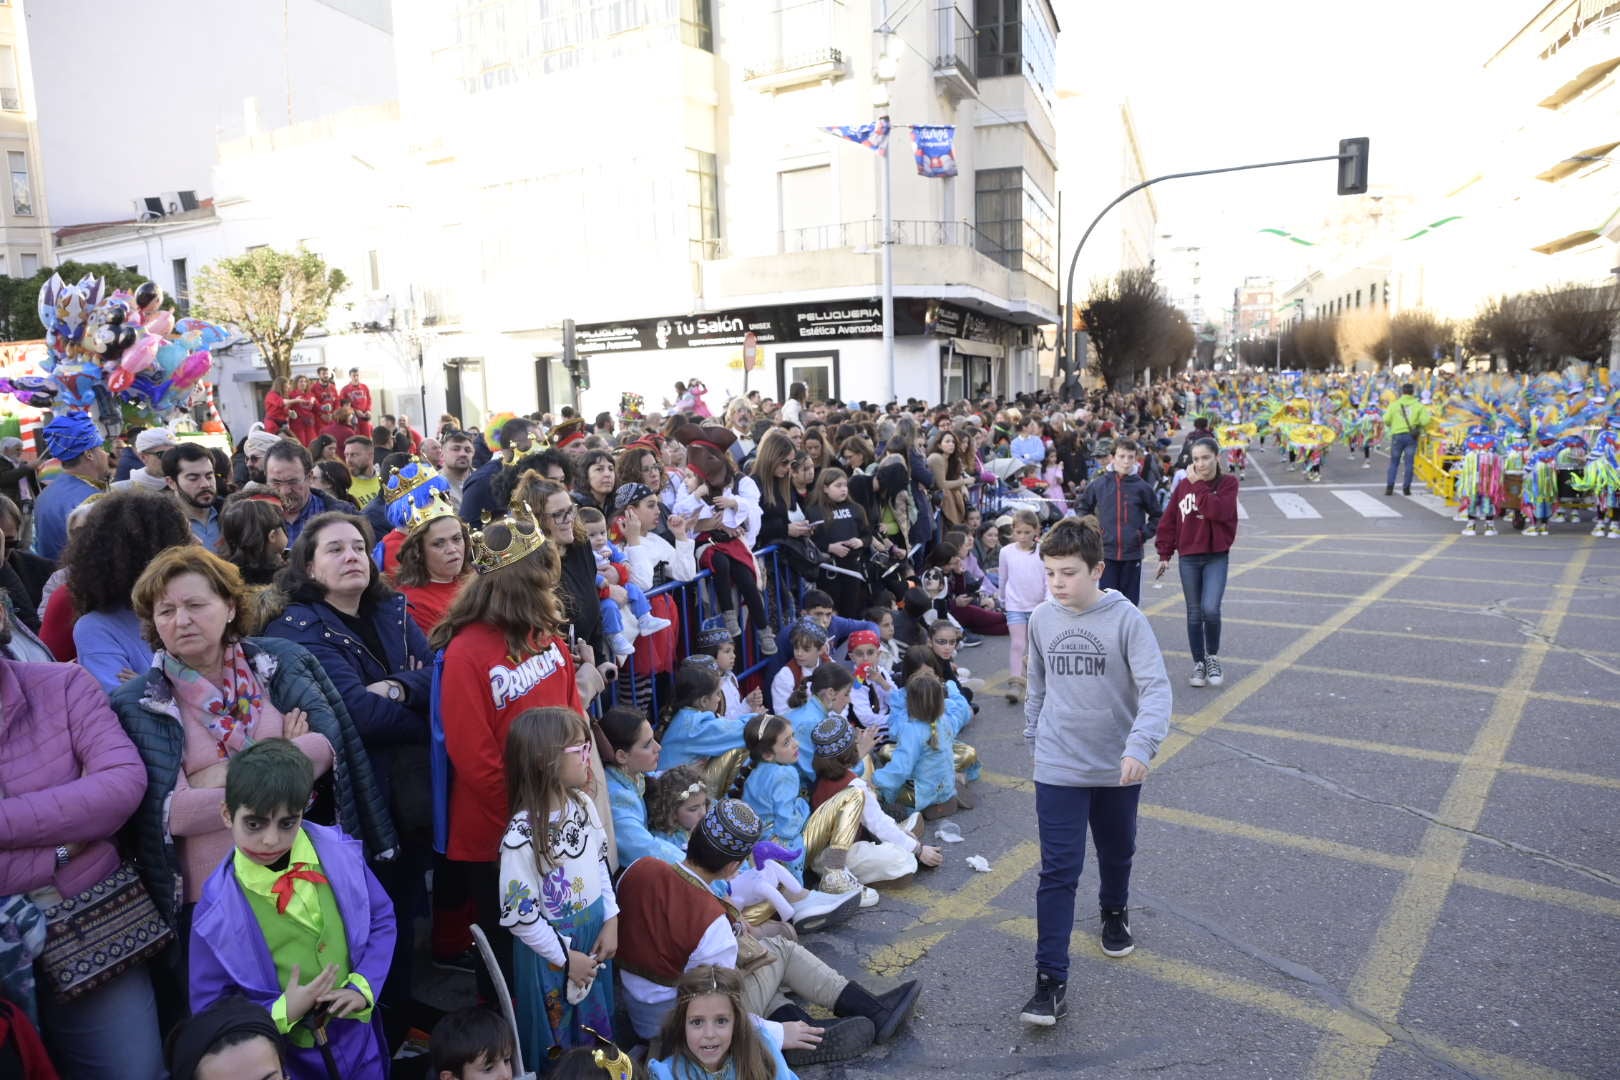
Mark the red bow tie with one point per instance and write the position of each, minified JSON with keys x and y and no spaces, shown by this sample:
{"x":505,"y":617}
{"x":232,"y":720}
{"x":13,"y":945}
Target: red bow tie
{"x":283,"y":888}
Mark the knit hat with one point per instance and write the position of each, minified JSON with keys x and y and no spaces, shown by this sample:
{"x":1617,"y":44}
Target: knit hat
{"x":832,"y":736}
{"x":807,"y":626}
{"x":731,"y":827}
{"x":627,"y":495}
{"x":71,"y":436}
{"x":702,"y":660}
{"x":259,"y":441}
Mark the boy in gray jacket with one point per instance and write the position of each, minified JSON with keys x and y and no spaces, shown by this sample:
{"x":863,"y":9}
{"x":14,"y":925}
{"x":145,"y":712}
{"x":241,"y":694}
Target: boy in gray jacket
{"x":1097,"y":708}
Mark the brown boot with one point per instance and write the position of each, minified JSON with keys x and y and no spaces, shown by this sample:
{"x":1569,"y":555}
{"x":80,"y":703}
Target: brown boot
{"x":939,"y":810}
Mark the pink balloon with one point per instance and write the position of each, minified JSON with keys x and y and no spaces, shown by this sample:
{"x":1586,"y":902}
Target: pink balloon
{"x":139,"y":356}
{"x":160,"y":324}
{"x":191,"y":369}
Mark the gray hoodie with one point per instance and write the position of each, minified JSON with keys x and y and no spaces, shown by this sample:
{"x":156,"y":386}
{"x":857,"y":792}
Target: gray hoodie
{"x":1097,"y":691}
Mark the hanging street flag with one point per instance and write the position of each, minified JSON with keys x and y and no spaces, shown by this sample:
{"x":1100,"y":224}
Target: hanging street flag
{"x":933,"y":149}
{"x":1432,"y":226}
{"x":1286,"y":235}
{"x":873,"y":136}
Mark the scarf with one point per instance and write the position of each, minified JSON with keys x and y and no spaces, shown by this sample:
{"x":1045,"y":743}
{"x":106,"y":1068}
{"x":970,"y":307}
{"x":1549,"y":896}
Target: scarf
{"x":229,"y":712}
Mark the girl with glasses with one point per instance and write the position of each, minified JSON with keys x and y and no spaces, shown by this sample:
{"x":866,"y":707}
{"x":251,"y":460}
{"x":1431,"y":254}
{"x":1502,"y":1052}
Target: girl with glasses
{"x":556,"y":890}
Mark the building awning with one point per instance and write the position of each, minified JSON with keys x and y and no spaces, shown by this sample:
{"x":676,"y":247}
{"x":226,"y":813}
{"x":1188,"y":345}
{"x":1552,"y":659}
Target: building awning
{"x":977,"y":348}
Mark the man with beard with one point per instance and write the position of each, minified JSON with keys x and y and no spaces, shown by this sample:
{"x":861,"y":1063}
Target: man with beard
{"x":258,"y":443}
{"x":325,"y":393}
{"x":457,"y":464}
{"x":189,"y":471}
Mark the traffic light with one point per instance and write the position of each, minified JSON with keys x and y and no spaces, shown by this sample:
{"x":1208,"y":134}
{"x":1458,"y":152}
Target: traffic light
{"x":1353,"y":166}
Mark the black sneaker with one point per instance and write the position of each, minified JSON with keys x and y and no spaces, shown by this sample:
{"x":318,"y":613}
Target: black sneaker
{"x":1116,"y":933}
{"x":971,"y":641}
{"x":1047,"y":1006}
{"x":1212,"y":671}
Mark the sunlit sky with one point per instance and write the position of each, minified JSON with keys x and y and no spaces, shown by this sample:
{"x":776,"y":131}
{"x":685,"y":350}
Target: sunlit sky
{"x":1215,"y":84}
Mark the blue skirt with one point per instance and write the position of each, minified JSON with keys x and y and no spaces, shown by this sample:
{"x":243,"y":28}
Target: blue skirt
{"x":545,"y":1018}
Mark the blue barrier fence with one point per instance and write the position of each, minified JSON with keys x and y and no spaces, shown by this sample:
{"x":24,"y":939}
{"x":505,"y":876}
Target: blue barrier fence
{"x":695,"y":602}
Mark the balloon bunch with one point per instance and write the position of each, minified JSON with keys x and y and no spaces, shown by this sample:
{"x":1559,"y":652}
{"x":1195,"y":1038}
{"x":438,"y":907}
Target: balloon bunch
{"x":103,"y":349}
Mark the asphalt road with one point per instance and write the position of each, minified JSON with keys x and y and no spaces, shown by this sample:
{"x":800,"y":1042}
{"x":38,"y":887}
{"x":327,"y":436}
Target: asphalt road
{"x":1386,"y":848}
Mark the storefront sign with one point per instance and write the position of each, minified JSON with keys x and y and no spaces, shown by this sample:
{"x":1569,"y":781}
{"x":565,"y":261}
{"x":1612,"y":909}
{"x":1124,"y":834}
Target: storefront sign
{"x":767,"y":326}
{"x":948,"y":320}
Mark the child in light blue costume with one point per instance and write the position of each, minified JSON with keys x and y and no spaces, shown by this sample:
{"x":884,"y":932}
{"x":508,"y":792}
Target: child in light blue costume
{"x":695,"y":729}
{"x":926,"y":715}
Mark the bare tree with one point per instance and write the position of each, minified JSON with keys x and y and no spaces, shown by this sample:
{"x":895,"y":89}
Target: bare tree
{"x":1419,"y":338}
{"x":1316,"y":343}
{"x":1575,"y":321}
{"x":1506,"y":327}
{"x":1363,"y":338}
{"x":1132,"y":327}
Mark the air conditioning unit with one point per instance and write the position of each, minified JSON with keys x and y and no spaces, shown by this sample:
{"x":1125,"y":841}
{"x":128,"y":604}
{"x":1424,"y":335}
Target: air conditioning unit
{"x":1026,"y":337}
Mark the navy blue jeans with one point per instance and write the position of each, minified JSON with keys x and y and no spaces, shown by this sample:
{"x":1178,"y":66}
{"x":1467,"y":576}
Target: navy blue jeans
{"x":1063,"y":814}
{"x":1124,"y":575}
{"x":1203,"y":582}
{"x":1402,"y":445}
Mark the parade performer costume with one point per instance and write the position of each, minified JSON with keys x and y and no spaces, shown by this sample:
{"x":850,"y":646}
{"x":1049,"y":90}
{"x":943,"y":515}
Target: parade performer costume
{"x":1480,"y":490}
{"x":1601,"y":480}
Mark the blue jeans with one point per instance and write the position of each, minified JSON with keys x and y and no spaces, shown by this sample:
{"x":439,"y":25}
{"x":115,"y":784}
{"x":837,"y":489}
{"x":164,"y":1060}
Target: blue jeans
{"x":1125,"y":576}
{"x":111,"y":1031}
{"x":1402,"y":445}
{"x":1062,"y":814}
{"x":1203,"y":582}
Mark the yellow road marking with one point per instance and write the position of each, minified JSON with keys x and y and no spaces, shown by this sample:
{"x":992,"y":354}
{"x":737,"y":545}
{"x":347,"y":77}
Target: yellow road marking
{"x":1234,"y":696}
{"x":1337,"y":570}
{"x":1385,"y":974}
{"x":1420,"y":754}
{"x":1557,"y":896}
{"x":1280,"y":624}
{"x":1453,"y":557}
{"x":957,"y":907}
{"x":1237,"y":570}
{"x":1335,"y":1022}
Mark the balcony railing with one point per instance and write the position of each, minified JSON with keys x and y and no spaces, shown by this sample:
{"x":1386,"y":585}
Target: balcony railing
{"x":868,"y":234}
{"x":813,"y":62}
{"x":955,"y":46}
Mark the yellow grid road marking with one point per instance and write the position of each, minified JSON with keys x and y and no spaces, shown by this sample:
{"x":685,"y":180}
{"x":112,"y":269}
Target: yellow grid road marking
{"x":1381,"y":983}
{"x":1235,"y":696}
{"x":1436,"y":577}
{"x":1337,"y":1023}
{"x":1555,"y":895}
{"x":1237,"y":570}
{"x":1280,"y":624}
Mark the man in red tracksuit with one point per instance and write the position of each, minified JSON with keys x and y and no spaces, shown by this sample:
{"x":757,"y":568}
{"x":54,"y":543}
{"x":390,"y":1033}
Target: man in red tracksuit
{"x":357,"y":396}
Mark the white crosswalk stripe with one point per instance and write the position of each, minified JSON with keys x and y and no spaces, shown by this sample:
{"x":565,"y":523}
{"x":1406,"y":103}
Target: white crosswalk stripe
{"x":1365,"y":503}
{"x":1243,"y":515}
{"x":1430,"y":501}
{"x":1293,"y":506}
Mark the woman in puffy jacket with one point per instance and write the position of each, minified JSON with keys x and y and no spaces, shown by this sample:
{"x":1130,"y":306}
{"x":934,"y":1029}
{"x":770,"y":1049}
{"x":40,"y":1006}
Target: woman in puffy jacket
{"x":70,"y":778}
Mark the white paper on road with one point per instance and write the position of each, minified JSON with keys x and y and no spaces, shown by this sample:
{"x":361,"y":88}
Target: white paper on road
{"x":1293,"y":506}
{"x":1366,"y":504}
{"x":979,"y":863}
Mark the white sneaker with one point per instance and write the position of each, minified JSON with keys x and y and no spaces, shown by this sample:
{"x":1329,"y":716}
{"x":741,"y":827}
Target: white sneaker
{"x":820,"y":910}
{"x":1366,"y":464}
{"x":1614,"y":530}
{"x":1598,"y":529}
{"x":1468,"y":529}
{"x":622,"y":649}
{"x":1490,"y":528}
{"x":1212,"y":671}
{"x":869,"y":898}
{"x":839,"y":882}
{"x":1197,"y":678}
{"x":651,"y":624}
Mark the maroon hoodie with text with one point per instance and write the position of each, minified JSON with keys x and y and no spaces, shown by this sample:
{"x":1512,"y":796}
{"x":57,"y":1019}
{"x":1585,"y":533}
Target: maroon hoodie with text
{"x":1201,"y":519}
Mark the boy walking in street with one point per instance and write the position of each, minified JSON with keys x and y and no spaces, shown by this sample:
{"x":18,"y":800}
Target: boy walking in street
{"x":1097,"y":708}
{"x":1126,"y":511}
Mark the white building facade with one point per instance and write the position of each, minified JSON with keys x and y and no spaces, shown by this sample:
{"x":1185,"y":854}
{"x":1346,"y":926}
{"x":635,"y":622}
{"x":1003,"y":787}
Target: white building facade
{"x":696,"y":199}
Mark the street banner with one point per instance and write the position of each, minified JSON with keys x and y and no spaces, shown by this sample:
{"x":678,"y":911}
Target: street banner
{"x":873,"y":136}
{"x":933,"y":147}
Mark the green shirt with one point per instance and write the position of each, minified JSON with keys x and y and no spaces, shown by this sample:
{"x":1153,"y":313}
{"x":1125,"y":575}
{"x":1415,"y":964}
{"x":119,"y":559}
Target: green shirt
{"x":309,"y":934}
{"x":1406,"y":415}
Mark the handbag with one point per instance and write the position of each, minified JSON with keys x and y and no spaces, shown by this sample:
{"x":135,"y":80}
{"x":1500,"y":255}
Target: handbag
{"x":803,"y":556}
{"x":96,"y":936}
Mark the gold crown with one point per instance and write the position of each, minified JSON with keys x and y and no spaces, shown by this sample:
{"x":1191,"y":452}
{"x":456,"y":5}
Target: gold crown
{"x":401,"y":482}
{"x":524,"y":538}
{"x":420,"y":517}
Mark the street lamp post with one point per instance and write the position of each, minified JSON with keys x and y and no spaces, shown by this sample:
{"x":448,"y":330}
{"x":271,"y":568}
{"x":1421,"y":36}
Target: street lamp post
{"x":1351,"y":159}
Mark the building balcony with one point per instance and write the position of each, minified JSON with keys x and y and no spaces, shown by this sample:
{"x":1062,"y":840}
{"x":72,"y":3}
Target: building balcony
{"x":784,"y":72}
{"x":955,"y":48}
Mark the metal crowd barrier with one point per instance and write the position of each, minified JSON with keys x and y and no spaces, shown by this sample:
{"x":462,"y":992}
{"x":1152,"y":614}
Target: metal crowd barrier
{"x":694,"y":603}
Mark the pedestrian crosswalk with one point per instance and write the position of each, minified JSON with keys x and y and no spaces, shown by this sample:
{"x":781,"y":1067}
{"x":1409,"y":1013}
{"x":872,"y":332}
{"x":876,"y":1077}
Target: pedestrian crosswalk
{"x":1318,"y":502}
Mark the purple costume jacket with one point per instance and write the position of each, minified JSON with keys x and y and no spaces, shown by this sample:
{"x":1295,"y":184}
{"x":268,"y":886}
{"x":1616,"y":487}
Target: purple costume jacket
{"x":228,"y":953}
